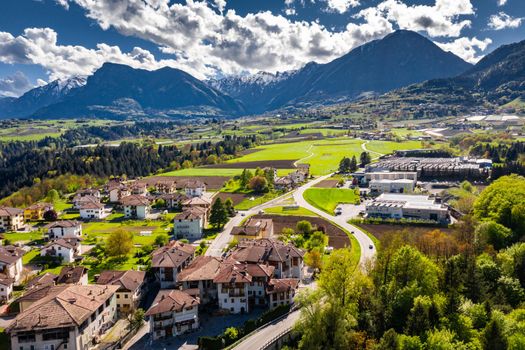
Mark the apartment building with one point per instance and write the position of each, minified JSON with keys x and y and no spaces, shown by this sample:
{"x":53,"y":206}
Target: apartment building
{"x":131,"y":289}
{"x":168,"y":261}
{"x":11,"y":219}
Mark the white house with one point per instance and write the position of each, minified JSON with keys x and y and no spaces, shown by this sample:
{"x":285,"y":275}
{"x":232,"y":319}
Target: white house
{"x":64,"y":229}
{"x":199,"y":274}
{"x":72,"y":317}
{"x":241,"y":285}
{"x":195,"y":188}
{"x":92,"y":211}
{"x":281,"y":291}
{"x":11,"y":262}
{"x":168,"y":261}
{"x":11,"y":219}
{"x":190,"y":223}
{"x":6,"y":288}
{"x":136,"y":206}
{"x":89,"y":192}
{"x":173,"y":313}
{"x":139,"y":189}
{"x":117,"y":192}
{"x":65,"y":249}
{"x":80,"y":201}
{"x":131,"y":287}
{"x":298,"y":177}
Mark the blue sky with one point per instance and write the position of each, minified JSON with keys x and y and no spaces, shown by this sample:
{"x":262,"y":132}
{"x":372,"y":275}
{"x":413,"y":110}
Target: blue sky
{"x":43,"y":40}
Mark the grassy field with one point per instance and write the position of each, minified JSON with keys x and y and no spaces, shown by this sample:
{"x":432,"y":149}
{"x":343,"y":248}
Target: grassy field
{"x":294,"y":212}
{"x":386,"y":147}
{"x":23,"y":236}
{"x":215,"y":172}
{"x":327,"y":199}
{"x":248,"y":204}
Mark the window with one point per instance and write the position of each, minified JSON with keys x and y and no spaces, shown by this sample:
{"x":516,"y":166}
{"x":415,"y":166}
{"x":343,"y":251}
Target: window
{"x":126,"y":296}
{"x":107,"y":303}
{"x":118,"y":296}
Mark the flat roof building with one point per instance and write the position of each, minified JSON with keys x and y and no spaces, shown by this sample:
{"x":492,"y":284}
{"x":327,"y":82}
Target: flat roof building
{"x":402,"y":206}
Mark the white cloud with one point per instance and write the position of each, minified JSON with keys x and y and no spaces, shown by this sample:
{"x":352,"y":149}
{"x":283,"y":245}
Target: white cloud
{"x":502,"y":20}
{"x":441,"y":19}
{"x":63,"y":3}
{"x":14,"y":85}
{"x":39,"y":46}
{"x":342,"y":6}
{"x":469,"y":49}
{"x":220,"y":4}
{"x":502,"y":2}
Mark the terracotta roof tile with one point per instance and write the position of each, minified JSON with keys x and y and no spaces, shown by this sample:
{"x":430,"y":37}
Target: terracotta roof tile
{"x":172,"y":301}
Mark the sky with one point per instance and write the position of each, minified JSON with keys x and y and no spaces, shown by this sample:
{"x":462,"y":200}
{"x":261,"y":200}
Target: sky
{"x":45,"y":40}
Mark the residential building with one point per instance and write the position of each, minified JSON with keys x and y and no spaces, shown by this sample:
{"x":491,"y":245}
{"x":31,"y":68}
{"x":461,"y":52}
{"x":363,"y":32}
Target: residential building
{"x":117,"y":191}
{"x":73,"y":275}
{"x":241,"y":286}
{"x":139,"y":189}
{"x":11,"y":219}
{"x":281,"y":291}
{"x":199,"y":274}
{"x":173,"y":312}
{"x":80,"y":201}
{"x":42,"y":280}
{"x":304,"y":168}
{"x":135,"y":206}
{"x":398,"y":206}
{"x":168,"y":261}
{"x":35,"y":212}
{"x":64,"y":249}
{"x":195,"y":188}
{"x":72,"y":318}
{"x":286,"y":258}
{"x":284,"y":183}
{"x":131,"y":288}
{"x":255,"y":227}
{"x":298,"y":177}
{"x":174,"y":200}
{"x":64,"y":229}
{"x":92,"y":210}
{"x":190,"y":223}
{"x":6,"y":288}
{"x":392,"y":186}
{"x":37,"y":293}
{"x":165,"y":187}
{"x":89,"y":192}
{"x":201,"y":202}
{"x":11,"y":262}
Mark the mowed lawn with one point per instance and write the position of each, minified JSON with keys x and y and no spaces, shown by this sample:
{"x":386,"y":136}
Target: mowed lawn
{"x":327,"y":199}
{"x":387,"y":147}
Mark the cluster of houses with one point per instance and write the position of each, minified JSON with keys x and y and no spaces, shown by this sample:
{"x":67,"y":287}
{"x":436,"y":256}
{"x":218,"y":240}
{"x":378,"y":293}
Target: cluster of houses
{"x":66,"y":312}
{"x":292,"y":180}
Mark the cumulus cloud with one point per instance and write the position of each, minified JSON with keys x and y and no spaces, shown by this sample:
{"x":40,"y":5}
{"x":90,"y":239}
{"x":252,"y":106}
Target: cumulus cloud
{"x":502,"y":2}
{"x":14,"y":85}
{"x":441,"y":19}
{"x":342,"y":6}
{"x":39,"y":46}
{"x":205,"y":38}
{"x":502,"y":20}
{"x":469,"y":49}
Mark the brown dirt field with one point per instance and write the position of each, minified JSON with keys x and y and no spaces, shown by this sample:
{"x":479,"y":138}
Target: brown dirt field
{"x":236,"y":197}
{"x":277,"y":164}
{"x":383,"y":232}
{"x":327,"y":184}
{"x":337,"y":238}
{"x":249,"y":151}
{"x":213,"y":182}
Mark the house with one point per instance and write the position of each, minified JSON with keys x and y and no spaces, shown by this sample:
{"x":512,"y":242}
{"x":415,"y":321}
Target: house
{"x":168,"y":261}
{"x":284,"y":183}
{"x":135,"y":206}
{"x":11,"y":219}
{"x":304,"y":168}
{"x":35,"y":212}
{"x":6,"y":288}
{"x":194,"y":188}
{"x":173,"y":313}
{"x":281,"y":291}
{"x":73,"y":275}
{"x":64,"y":229}
{"x":92,"y":210}
{"x":131,"y":288}
{"x":117,"y":191}
{"x":255,"y":227}
{"x":93,"y":192}
{"x":35,"y":294}
{"x":201,"y":202}
{"x":174,"y":200}
{"x":139,"y":189}
{"x":40,"y":281}
{"x":63,"y":249}
{"x":240,"y":286}
{"x":286,"y":258}
{"x":80,"y":201}
{"x":72,"y":318}
{"x":199,"y":274}
{"x":298,"y":177}
{"x":190,"y":223}
{"x":165,"y":187}
{"x":11,"y":262}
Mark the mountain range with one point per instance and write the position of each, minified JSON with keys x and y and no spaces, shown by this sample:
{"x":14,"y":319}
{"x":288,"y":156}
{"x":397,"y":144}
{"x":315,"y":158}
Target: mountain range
{"x":403,"y":64}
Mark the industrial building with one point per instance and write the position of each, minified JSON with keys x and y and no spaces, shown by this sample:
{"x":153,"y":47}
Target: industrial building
{"x":402,"y":206}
